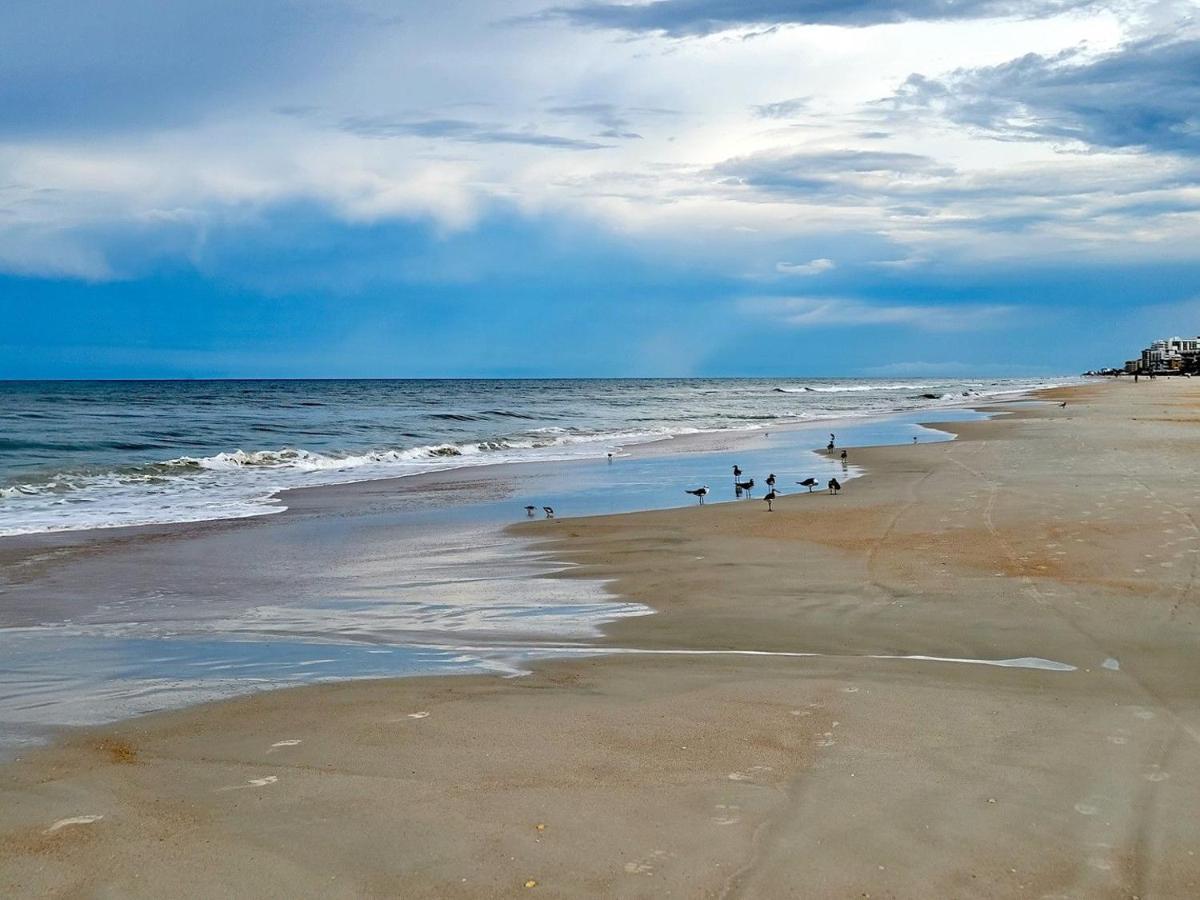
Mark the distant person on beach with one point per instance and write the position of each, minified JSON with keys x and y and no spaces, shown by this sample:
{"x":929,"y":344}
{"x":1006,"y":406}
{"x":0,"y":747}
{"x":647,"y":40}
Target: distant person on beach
{"x":834,"y":485}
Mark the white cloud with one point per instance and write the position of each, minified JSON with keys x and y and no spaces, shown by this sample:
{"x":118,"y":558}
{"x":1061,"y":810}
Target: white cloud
{"x":824,"y":312}
{"x":812,"y":267}
{"x":466,"y":109}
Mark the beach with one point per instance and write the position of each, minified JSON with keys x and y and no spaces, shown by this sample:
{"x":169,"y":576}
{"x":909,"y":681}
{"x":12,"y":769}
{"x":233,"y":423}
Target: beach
{"x":971,"y":673}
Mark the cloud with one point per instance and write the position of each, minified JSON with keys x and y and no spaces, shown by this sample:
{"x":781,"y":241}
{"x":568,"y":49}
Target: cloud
{"x":1146,"y":94}
{"x":692,"y":18}
{"x":383,"y":127}
{"x":813,"y":267}
{"x":612,"y":120}
{"x":820,"y":171}
{"x":829,"y":312}
{"x":70,"y":68}
{"x":782,"y":109}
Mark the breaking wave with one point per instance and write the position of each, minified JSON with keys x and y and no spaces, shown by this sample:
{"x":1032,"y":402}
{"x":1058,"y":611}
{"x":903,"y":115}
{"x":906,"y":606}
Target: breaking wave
{"x":107,"y":455}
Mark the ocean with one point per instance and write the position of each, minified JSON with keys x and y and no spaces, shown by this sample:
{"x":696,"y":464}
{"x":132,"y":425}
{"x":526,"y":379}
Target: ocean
{"x":80,"y":455}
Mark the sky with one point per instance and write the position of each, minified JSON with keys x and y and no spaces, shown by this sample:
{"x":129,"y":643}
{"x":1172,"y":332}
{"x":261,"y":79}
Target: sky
{"x":521,"y":188}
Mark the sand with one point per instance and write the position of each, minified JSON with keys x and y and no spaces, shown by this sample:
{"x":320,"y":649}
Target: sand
{"x":1059,"y":535}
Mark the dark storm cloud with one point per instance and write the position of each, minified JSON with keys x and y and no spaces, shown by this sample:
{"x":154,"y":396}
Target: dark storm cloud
{"x":1144,"y":95}
{"x":689,"y":18}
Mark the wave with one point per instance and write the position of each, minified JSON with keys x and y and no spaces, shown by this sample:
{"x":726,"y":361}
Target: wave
{"x":132,"y":487}
{"x":846,"y":388}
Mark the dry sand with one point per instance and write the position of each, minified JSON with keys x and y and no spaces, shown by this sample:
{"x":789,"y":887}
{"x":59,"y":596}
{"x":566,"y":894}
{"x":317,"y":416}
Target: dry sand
{"x":1066,"y":535}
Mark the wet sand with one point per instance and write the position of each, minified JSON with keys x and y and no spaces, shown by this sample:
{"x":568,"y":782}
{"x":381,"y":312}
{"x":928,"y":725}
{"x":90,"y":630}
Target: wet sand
{"x":1060,"y":535}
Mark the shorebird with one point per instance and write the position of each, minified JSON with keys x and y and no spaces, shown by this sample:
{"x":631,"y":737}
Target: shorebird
{"x":834,"y":485}
{"x":770,"y":498}
{"x":549,"y":511}
{"x":700,"y":492}
{"x":529,"y":510}
{"x":737,"y":473}
{"x":610,"y":457}
{"x":746,"y":486}
{"x":771,"y":481}
{"x":809,"y":483}
{"x":829,"y":447}
{"x":843,"y":456}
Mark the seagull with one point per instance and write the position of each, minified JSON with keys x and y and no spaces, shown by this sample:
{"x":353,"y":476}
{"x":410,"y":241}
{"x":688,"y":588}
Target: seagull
{"x":829,"y":447}
{"x":746,"y":486}
{"x":843,"y":456}
{"x":771,"y":481}
{"x":700,"y":492}
{"x":770,"y":498}
{"x":1063,"y":405}
{"x":529,"y":511}
{"x":834,"y":485}
{"x":549,"y":511}
{"x":809,"y":483}
{"x":737,"y":473}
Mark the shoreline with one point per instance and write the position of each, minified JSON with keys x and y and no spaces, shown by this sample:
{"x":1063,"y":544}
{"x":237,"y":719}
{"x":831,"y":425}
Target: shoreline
{"x":722,"y":775}
{"x":32,"y":557}
{"x":699,"y":441}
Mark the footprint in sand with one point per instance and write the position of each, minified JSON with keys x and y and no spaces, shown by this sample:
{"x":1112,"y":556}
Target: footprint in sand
{"x":727,"y":814}
{"x":1155,"y":774}
{"x":418,"y":715}
{"x":826,"y":740}
{"x":253,"y":782}
{"x":749,"y":774}
{"x":73,"y":820}
{"x":1086,"y":809}
{"x":645,"y":865}
{"x":280,"y":744}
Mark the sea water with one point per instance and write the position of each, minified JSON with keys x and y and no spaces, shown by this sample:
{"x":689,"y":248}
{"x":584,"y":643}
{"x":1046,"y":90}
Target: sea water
{"x":77,"y":455}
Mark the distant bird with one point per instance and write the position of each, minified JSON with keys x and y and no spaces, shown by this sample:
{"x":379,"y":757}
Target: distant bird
{"x":829,"y":447}
{"x":529,"y":510}
{"x":809,"y":483}
{"x":914,"y":438}
{"x":737,"y":473}
{"x":770,"y":498}
{"x":1063,"y":405}
{"x":610,"y":457}
{"x":834,"y":485}
{"x":771,"y":481}
{"x":700,"y":492}
{"x":843,"y":456}
{"x":746,"y":486}
{"x":549,"y":511}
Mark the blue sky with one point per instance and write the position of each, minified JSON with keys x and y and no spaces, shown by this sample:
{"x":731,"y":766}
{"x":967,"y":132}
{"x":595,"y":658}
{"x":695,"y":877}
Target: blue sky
{"x":682,"y":187}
